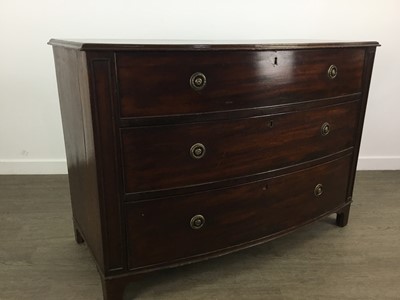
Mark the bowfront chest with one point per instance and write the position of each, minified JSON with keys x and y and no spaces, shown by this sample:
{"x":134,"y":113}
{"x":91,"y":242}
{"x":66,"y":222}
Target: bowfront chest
{"x":178,"y":152}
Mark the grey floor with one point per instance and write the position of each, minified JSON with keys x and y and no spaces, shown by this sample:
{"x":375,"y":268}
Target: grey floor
{"x":40,"y":260}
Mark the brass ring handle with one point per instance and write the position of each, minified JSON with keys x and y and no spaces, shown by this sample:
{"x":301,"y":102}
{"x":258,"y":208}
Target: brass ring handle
{"x":197,"y":222}
{"x":318,"y":190}
{"x":198,"y":81}
{"x":197,"y":151}
{"x":325,"y":129}
{"x":332,"y":72}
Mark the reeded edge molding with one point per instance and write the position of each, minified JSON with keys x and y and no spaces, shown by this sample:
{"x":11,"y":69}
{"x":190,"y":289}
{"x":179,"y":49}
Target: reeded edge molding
{"x":105,"y":167}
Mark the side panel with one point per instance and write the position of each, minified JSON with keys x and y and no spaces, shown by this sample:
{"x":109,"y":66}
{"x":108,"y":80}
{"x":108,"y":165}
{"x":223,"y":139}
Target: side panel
{"x":366,"y":80}
{"x":73,"y":89}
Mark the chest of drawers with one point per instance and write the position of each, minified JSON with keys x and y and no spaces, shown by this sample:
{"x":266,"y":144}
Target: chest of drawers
{"x":181,"y":152}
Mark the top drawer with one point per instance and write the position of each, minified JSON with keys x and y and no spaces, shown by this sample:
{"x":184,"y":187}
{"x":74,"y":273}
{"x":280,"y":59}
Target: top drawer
{"x":159,"y":83}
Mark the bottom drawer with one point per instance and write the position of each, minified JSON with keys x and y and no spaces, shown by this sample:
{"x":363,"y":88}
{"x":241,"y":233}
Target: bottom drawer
{"x":169,"y":229}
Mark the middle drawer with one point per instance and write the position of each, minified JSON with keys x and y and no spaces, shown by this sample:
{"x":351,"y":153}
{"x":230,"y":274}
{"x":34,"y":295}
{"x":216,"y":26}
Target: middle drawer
{"x":174,"y":156}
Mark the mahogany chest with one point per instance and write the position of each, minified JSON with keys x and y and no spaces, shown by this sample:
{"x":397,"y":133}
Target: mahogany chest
{"x":178,"y":152}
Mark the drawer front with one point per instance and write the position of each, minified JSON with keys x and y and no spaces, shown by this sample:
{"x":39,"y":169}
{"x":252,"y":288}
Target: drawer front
{"x":165,"y":230}
{"x":162,"y":157}
{"x":159,"y":83}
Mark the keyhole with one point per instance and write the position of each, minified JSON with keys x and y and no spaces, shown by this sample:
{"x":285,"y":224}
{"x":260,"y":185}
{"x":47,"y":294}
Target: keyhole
{"x":271,"y":124}
{"x":265,"y":187}
{"x":276,"y":61}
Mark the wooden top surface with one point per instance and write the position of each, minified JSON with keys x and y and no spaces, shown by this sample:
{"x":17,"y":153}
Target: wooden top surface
{"x":196,"y":45}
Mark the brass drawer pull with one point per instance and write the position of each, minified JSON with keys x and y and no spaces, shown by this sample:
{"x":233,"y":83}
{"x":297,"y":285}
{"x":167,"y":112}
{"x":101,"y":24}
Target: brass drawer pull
{"x":198,"y":81}
{"x":318,"y":190}
{"x":197,"y":222}
{"x":332,"y":72}
{"x":197,"y":151}
{"x":325,"y":129}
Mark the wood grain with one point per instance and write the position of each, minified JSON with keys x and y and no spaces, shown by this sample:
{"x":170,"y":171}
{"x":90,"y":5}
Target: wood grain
{"x":130,"y":118}
{"x":157,"y":83}
{"x":233,"y":215}
{"x":77,"y":123}
{"x":157,"y":157}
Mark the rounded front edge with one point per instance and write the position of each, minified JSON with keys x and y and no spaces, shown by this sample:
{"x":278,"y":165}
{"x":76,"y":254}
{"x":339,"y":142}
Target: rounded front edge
{"x":235,"y":248}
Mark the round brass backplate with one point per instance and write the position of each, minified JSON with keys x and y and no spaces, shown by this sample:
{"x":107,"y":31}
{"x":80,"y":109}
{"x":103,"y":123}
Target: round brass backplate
{"x":197,"y":151}
{"x":325,"y":129}
{"x":318,"y":190}
{"x":198,"y":81}
{"x":197,"y":222}
{"x":332,"y":72}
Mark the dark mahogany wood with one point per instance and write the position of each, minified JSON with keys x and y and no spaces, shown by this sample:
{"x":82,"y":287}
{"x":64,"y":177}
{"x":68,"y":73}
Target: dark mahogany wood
{"x":342,"y":217}
{"x":151,"y":83}
{"x":235,"y":148}
{"x":233,"y":215}
{"x":368,"y":66}
{"x":102,"y":88}
{"x":75,"y":103}
{"x":114,"y":287}
{"x":236,"y":113}
{"x":78,"y":235}
{"x":203,"y":45}
{"x":130,"y":117}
